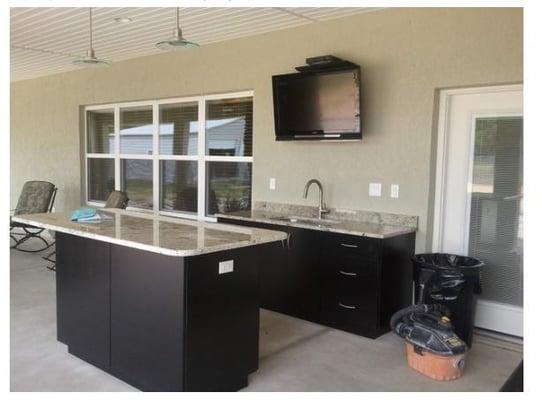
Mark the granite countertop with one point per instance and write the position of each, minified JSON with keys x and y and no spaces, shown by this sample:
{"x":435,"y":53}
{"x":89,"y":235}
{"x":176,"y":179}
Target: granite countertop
{"x":159,"y":234}
{"x":357,"y":228}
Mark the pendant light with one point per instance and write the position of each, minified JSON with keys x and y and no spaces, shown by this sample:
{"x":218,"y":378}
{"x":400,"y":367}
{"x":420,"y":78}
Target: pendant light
{"x":177,"y":42}
{"x":90,"y":59}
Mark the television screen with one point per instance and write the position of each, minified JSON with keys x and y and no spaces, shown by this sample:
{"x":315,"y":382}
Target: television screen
{"x":323,"y":105}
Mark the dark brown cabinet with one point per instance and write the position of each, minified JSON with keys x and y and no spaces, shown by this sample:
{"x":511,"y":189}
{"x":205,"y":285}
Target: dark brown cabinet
{"x":158,"y":322}
{"x":289,"y":276}
{"x":303,"y":277}
{"x":344,"y":281}
{"x":82,"y":296}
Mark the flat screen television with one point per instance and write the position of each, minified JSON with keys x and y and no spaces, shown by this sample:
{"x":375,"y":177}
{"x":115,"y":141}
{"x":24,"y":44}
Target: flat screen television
{"x":321,"y":105}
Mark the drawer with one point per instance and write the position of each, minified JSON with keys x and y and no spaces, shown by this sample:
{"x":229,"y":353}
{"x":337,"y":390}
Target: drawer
{"x":352,"y":288}
{"x":349,"y":265}
{"x":350,"y":299}
{"x":350,"y":310}
{"x":351,"y":245}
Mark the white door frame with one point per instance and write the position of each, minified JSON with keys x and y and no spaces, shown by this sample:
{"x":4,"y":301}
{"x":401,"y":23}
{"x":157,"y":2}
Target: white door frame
{"x":486,"y":310}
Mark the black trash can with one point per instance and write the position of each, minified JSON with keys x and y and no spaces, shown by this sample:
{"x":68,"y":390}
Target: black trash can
{"x":453,"y":281}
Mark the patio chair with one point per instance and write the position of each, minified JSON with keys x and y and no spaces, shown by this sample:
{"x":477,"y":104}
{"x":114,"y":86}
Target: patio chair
{"x":36,"y":197}
{"x":116,"y":199}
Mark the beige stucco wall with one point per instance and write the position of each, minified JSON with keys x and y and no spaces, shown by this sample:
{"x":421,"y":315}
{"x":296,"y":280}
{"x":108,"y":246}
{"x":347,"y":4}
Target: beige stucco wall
{"x":405,"y":54}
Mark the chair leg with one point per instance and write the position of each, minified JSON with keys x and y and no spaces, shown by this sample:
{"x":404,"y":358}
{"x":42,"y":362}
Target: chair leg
{"x":11,"y":235}
{"x":29,"y":235}
{"x":49,"y":258}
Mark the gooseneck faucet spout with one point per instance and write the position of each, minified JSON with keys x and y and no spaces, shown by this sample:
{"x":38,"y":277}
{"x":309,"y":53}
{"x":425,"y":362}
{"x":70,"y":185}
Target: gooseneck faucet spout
{"x":321,"y":206}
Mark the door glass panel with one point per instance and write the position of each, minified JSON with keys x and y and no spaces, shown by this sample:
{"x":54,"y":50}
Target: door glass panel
{"x":496,"y":219}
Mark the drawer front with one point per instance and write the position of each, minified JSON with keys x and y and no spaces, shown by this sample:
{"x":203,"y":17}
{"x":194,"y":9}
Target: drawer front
{"x":352,"y":245}
{"x":350,"y":301}
{"x":351,"y":266}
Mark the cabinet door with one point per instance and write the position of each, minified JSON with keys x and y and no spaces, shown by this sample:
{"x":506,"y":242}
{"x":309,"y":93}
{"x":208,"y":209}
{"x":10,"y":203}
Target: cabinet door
{"x":303,"y":276}
{"x":82,"y":280}
{"x":275,"y":283}
{"x":147,"y":305}
{"x":222,"y":319}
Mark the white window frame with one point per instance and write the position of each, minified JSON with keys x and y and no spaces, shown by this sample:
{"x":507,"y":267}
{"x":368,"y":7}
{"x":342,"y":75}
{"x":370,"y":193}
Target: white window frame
{"x":201,"y":157}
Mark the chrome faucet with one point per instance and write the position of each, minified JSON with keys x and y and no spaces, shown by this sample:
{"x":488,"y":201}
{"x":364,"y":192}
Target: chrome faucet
{"x":322,"y":206}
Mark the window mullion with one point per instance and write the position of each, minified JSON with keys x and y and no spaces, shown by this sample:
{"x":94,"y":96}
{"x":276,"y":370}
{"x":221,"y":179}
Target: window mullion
{"x":155,"y":158}
{"x":201,"y":158}
{"x":85,"y":122}
{"x":116,"y":120}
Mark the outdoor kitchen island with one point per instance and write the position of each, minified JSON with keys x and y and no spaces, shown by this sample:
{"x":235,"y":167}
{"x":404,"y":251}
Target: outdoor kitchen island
{"x":162,"y":303}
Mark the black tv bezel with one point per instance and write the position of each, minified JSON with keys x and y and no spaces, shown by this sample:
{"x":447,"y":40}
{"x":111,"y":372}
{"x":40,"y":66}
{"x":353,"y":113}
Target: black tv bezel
{"x":312,"y":135}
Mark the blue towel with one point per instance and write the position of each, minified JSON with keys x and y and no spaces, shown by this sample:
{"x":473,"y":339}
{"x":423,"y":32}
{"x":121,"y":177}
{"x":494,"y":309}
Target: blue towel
{"x":83,"y":213}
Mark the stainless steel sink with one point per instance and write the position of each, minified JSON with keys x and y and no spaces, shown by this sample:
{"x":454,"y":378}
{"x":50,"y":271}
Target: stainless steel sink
{"x":309,"y":221}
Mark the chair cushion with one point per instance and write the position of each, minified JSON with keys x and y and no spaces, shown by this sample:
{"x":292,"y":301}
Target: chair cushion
{"x":35,"y":197}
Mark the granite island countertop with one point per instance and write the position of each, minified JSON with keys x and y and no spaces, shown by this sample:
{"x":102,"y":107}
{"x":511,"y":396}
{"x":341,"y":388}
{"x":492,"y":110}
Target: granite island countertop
{"x":159,"y":234}
{"x":357,"y":228}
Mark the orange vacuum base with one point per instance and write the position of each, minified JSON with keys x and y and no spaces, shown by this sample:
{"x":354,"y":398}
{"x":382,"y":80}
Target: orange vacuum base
{"x":441,"y":368}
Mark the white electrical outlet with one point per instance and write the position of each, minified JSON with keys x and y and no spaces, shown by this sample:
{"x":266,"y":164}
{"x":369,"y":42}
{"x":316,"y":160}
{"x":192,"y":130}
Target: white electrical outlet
{"x":375,"y":189}
{"x":272,"y":183}
{"x":225,"y":266}
{"x":394,"y":190}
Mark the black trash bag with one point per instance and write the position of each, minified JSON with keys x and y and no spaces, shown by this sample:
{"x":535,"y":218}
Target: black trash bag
{"x":441,"y":276}
{"x":453,"y":281}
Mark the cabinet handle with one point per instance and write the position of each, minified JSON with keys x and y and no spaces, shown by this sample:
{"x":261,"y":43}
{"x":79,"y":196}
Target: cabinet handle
{"x":348,"y":273}
{"x":345,"y":306}
{"x":349,"y":245}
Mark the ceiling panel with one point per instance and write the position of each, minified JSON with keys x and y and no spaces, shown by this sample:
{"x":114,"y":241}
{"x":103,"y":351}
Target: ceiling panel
{"x":45,"y":40}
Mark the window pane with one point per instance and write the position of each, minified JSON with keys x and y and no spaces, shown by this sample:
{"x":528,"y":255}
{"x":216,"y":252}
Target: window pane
{"x":100,"y":131}
{"x":179,"y":129}
{"x":136,"y":180}
{"x":228,"y":186}
{"x":136,"y":130}
{"x":229,"y":127}
{"x":101,"y":178}
{"x":179,"y":185}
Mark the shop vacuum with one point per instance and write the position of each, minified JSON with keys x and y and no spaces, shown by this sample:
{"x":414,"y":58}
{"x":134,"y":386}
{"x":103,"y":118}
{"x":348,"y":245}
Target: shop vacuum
{"x":446,"y":286}
{"x":432,"y":347}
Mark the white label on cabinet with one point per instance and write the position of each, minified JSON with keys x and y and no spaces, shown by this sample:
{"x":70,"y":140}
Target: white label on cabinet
{"x":225,"y":266}
{"x":375,"y":189}
{"x":394,"y":191}
{"x":272,"y":183}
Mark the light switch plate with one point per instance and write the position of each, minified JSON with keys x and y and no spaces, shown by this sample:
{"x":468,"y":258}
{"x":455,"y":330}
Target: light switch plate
{"x":375,"y":189}
{"x":225,"y":267}
{"x":272,"y":183}
{"x":394,"y":190}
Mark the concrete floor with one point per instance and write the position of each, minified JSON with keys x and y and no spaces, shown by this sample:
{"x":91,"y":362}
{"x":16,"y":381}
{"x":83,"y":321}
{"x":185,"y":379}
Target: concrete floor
{"x":295,"y":355}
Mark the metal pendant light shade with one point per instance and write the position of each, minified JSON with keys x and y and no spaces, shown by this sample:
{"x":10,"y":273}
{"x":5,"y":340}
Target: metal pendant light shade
{"x":176,"y":42}
{"x":90,"y":59}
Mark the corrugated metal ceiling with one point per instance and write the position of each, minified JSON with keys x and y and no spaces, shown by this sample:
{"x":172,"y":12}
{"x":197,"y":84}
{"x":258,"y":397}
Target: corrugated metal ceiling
{"x":45,"y":41}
